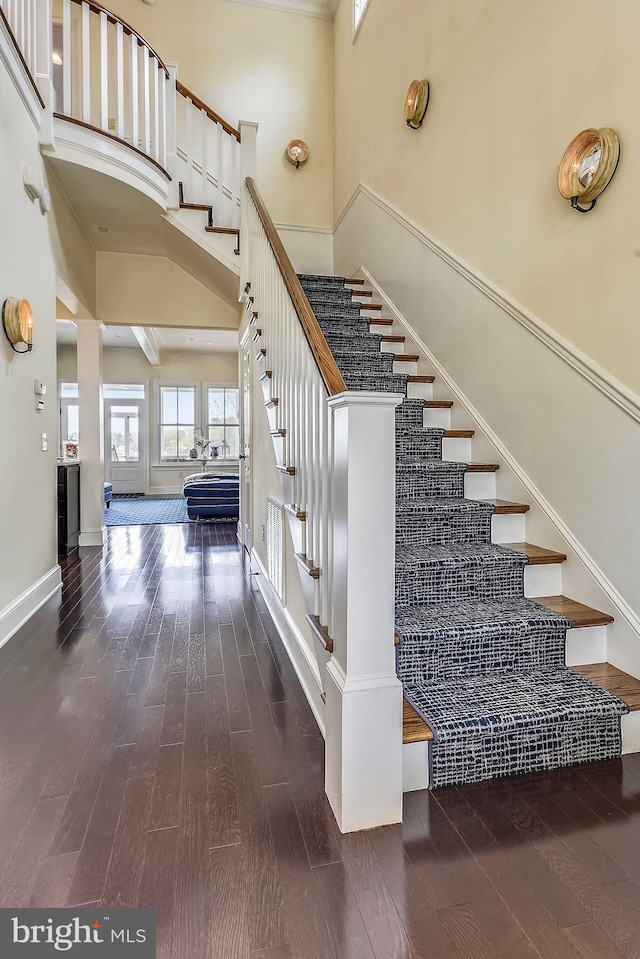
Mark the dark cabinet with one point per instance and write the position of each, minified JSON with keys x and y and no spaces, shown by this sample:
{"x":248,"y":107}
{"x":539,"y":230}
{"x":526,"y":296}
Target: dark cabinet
{"x":68,"y":507}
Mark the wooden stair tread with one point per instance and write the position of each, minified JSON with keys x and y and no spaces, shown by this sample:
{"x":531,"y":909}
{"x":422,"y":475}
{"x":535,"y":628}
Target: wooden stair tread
{"x":371,"y":306}
{"x":406,"y":357}
{"x":380,"y":321}
{"x":356,"y":282}
{"x":538,"y":555}
{"x":206,"y":207}
{"x":257,"y":334}
{"x":579,"y":614}
{"x":414,"y":728}
{"x":505,"y":507}
{"x":290,"y":470}
{"x":422,"y":378}
{"x":280,"y":432}
{"x":267,"y":375}
{"x":321,"y":632}
{"x":392,"y":338}
{"x":299,"y":514}
{"x":483,"y":467}
{"x":307,"y":565}
{"x":435,"y":404}
{"x":227,"y":230}
{"x":622,"y":685}
{"x":363,"y":293}
{"x":273,"y":401}
{"x":459,"y":434}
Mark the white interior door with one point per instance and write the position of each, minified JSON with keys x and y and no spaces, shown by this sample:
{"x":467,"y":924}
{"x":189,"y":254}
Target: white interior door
{"x":125,"y":457}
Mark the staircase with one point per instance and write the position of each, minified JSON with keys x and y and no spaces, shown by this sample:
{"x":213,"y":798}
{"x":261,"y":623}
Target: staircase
{"x":483,"y":666}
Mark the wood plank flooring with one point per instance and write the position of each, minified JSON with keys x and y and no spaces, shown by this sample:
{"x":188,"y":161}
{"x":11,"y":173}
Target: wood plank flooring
{"x":156,"y":750}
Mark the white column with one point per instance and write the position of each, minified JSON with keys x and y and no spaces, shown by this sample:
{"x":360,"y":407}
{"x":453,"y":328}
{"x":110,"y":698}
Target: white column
{"x":248,"y":167}
{"x":93,"y":531}
{"x":363,"y":769}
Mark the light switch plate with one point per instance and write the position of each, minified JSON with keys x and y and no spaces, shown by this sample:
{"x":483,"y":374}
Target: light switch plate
{"x":45,"y":443}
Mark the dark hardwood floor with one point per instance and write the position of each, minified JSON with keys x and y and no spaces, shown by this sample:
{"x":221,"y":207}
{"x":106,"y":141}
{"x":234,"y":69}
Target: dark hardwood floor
{"x":156,"y":750}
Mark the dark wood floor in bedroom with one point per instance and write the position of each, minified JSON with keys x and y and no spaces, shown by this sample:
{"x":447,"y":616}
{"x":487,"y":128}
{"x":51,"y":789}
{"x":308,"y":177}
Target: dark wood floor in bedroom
{"x":156,"y":749}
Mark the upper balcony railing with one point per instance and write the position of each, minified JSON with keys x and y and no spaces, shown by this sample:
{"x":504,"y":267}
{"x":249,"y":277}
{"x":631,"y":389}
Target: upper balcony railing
{"x":21,"y":17}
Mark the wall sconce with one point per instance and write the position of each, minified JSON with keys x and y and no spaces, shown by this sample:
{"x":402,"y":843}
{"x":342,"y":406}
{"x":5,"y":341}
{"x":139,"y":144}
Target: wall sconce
{"x":588,"y":166}
{"x":416,"y":103}
{"x":36,"y":190}
{"x":17,"y":319}
{"x":297,"y":152}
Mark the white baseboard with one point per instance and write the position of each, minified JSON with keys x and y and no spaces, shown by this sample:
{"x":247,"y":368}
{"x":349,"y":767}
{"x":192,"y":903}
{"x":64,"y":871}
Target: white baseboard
{"x":22,"y":609}
{"x":299,"y":653}
{"x":93,"y":537}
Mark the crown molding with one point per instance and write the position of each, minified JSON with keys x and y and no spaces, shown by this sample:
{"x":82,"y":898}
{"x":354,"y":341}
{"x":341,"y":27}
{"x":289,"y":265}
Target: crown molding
{"x":323,"y":9}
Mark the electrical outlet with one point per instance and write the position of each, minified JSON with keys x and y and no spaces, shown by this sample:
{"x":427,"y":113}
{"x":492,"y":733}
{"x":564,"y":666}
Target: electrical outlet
{"x":45,"y":443}
{"x":263,"y":532}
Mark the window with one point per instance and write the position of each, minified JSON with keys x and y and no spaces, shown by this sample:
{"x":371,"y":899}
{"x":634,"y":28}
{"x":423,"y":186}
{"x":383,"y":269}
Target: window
{"x":177,"y":421}
{"x":359,"y":6}
{"x":223,"y":423}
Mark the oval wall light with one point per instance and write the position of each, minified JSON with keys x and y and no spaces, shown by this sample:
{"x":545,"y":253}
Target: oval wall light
{"x":588,"y":166}
{"x":416,"y":103}
{"x":17,"y":320}
{"x":297,"y":152}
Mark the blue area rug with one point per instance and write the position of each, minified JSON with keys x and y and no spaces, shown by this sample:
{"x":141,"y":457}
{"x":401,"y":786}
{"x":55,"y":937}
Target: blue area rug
{"x":145,"y":511}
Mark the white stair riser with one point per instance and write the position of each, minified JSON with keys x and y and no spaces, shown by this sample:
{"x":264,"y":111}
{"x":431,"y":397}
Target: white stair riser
{"x":420,"y":391}
{"x":439,"y":418}
{"x":480,"y":485}
{"x":272,"y":415}
{"x":631,"y":733}
{"x":402,"y":367}
{"x":455,"y":450}
{"x":508,"y":528}
{"x":543,"y":580}
{"x":586,"y":645}
{"x":280,"y":448}
{"x":415,"y":766}
{"x":311,"y":592}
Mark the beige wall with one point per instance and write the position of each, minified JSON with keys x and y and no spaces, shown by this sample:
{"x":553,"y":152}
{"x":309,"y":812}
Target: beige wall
{"x":511,"y":84}
{"x":74,"y":255}
{"x":141,"y":290}
{"x":28,"y":475}
{"x":253,"y":63}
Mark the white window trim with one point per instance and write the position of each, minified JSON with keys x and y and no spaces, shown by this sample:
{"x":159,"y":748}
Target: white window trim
{"x":357,"y":24}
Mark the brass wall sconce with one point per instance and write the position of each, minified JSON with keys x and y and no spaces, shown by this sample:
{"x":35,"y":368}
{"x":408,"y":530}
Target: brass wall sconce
{"x":416,"y":103}
{"x":17,"y":320}
{"x":588,"y":166}
{"x":297,"y":152}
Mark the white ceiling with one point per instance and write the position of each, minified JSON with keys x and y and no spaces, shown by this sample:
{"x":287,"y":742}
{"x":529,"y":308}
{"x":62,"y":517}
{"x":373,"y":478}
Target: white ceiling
{"x":311,"y":8}
{"x":174,"y":340}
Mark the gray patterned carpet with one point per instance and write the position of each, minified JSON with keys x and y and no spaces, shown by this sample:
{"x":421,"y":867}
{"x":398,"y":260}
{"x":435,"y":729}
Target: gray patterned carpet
{"x":483,"y":666}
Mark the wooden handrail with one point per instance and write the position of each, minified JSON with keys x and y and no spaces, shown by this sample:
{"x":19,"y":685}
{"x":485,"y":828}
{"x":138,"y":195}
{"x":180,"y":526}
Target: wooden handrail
{"x":128,"y":29}
{"x":327,"y":366}
{"x":201,"y":105}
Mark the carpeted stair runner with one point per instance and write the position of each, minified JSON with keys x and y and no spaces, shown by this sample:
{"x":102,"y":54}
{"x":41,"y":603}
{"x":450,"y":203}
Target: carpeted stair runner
{"x":483,"y":665}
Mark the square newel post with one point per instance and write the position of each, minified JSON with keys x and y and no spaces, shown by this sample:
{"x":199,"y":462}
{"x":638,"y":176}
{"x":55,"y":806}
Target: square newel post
{"x":93,"y":531}
{"x":248,"y":167}
{"x":363,"y":771}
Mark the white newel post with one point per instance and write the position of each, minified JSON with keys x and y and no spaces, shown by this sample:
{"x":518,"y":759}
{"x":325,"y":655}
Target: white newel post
{"x":171,"y":135}
{"x":363,"y":770}
{"x":248,"y":167}
{"x":93,"y":531}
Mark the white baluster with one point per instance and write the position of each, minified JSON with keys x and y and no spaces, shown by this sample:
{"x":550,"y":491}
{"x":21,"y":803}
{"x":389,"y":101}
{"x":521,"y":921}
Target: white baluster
{"x":204,"y":132}
{"x":135,"y":93}
{"x":219,"y":210}
{"x":86,"y":63}
{"x":156,"y":109}
{"x":66,"y":58}
{"x":119,"y":81}
{"x":104,"y":73}
{"x":235,"y":164}
{"x":190,"y":109}
{"x":146,"y":101}
{"x":162,"y":158}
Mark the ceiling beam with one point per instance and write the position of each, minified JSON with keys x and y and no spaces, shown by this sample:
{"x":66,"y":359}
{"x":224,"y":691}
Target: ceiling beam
{"x":149,"y":343}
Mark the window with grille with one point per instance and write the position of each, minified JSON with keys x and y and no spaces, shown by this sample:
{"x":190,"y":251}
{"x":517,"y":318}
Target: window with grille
{"x":223,"y":421}
{"x":177,"y":421}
